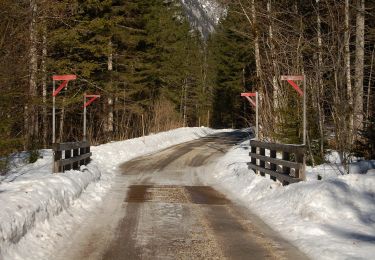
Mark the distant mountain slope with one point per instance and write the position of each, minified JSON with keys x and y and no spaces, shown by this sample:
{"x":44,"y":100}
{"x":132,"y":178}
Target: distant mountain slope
{"x":204,"y":15}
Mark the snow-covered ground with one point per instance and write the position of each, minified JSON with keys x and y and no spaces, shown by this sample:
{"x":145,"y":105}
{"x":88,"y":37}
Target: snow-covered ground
{"x":38,"y":207}
{"x":329,"y":219}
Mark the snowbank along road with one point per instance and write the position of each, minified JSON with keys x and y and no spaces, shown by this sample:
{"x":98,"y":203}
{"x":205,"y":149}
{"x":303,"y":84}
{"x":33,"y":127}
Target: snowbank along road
{"x":159,"y":209}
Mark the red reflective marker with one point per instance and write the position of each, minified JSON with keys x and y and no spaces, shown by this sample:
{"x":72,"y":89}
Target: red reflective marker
{"x":92,"y":99}
{"x":303,"y":93}
{"x":286,"y":77}
{"x":63,"y":85}
{"x":251,"y":101}
{"x":295,"y":86}
{"x":291,"y":79}
{"x":64,"y":77}
{"x":249,"y":94}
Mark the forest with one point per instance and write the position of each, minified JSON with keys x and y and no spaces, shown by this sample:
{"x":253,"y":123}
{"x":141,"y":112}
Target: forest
{"x":155,"y":72}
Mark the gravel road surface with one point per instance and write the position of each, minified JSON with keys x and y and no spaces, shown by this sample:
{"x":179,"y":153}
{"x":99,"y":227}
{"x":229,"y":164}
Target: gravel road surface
{"x":159,"y":209}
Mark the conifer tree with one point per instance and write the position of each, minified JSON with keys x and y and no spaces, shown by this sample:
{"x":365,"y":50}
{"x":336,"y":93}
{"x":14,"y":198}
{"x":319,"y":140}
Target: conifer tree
{"x":230,"y":62}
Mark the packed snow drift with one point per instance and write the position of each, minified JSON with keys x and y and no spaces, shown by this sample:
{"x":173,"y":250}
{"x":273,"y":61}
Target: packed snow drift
{"x":332,"y":218}
{"x":31,"y":196}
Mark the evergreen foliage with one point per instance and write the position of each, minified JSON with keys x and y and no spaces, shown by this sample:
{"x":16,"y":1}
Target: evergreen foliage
{"x":231,"y":61}
{"x":154,"y":71}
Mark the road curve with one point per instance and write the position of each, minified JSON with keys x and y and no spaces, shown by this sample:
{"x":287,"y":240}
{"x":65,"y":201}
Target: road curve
{"x":159,"y":209}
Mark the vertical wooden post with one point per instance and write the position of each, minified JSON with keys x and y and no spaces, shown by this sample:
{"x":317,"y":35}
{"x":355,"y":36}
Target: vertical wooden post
{"x":286,"y":157}
{"x":75,"y":154}
{"x":81,"y":152}
{"x":300,"y":173}
{"x":272,"y":165}
{"x":262,"y":163}
{"x":56,"y":159}
{"x":54,"y":115}
{"x":253,"y":149}
{"x":68,"y":154}
{"x":286,"y":170}
{"x":87,"y":151}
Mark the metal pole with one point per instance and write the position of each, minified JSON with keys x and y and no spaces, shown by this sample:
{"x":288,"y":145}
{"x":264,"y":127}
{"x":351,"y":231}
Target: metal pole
{"x":257,"y":114}
{"x":143,"y":129}
{"x":53,"y":116}
{"x":304,"y":109}
{"x":84,"y":118}
{"x":208,"y":118}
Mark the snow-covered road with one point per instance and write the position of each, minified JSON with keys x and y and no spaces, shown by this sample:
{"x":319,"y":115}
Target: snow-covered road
{"x":45,"y":215}
{"x":159,"y":209}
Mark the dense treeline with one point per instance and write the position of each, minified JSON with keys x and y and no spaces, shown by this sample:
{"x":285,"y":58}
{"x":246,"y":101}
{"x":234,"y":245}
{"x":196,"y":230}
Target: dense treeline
{"x":154,"y":72}
{"x":141,"y":56}
{"x":331,"y":42}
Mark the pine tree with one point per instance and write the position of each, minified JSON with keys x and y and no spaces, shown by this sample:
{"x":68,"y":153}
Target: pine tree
{"x":231,"y":61}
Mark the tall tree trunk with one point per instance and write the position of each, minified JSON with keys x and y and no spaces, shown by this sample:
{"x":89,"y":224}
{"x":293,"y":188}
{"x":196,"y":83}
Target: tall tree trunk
{"x":368,"y":103}
{"x":359,"y":65}
{"x":253,"y":23}
{"x":44,"y":84}
{"x":109,"y":125}
{"x":30,"y":113}
{"x":320,"y":82}
{"x":273,"y":56}
{"x":185,"y":104}
{"x":62,"y":118}
{"x":256,"y":40}
{"x":348,"y":65}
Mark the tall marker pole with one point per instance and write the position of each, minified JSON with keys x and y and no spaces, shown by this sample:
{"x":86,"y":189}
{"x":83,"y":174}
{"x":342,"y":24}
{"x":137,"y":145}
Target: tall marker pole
{"x":54,"y":115}
{"x":255,"y":104}
{"x":291,"y":80}
{"x":304,"y":110}
{"x":84,"y":117}
{"x":257,"y":114}
{"x":64,"y":84}
{"x":85,"y":105}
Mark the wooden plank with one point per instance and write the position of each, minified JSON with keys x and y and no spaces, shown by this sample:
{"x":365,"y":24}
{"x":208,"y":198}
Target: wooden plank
{"x":281,"y":177}
{"x":68,"y":155}
{"x":262,"y":163}
{"x":276,"y":161}
{"x":300,"y":173}
{"x":75,"y":155}
{"x":56,"y":161}
{"x":292,"y":77}
{"x":82,"y":150}
{"x":75,"y":159}
{"x":69,"y":146}
{"x":286,"y":158}
{"x":64,"y":77}
{"x":273,"y":166}
{"x":253,"y":151}
{"x":290,"y":148}
{"x":87,"y":160}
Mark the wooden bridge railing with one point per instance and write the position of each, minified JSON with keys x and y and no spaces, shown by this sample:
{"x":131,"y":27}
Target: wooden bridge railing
{"x":289,"y":169}
{"x":67,"y":156}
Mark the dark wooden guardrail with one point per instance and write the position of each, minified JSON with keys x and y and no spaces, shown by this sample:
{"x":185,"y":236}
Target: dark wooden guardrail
{"x":67,"y":156}
{"x":290,"y":168}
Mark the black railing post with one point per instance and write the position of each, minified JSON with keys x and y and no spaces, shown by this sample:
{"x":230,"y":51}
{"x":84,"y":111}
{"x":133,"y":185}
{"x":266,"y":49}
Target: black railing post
{"x":262,"y":163}
{"x":273,"y":166}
